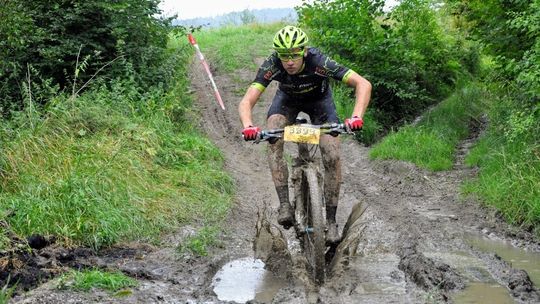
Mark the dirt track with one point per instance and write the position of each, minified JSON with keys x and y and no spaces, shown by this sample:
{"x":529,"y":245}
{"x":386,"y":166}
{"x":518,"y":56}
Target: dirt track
{"x":413,"y":248}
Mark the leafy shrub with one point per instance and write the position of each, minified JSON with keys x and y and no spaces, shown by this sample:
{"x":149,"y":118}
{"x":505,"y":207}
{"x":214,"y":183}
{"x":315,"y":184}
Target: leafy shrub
{"x":405,"y":53}
{"x":509,"y":30}
{"x":61,"y":38}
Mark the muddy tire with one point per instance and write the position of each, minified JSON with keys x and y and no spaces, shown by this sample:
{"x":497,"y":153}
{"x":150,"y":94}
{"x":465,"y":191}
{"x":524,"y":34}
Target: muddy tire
{"x":314,"y":241}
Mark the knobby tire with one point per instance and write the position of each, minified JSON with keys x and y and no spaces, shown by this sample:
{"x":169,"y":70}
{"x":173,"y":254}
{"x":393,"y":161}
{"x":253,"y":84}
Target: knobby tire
{"x":314,"y":242}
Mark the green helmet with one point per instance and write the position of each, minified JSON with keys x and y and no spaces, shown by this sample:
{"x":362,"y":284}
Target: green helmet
{"x":290,"y":37}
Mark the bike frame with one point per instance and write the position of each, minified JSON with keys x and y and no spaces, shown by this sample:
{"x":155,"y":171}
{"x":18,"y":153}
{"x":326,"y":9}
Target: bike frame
{"x":308,"y":203}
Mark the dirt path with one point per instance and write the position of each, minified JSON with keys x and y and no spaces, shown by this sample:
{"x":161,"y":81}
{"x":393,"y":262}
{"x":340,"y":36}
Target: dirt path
{"x":413,"y":248}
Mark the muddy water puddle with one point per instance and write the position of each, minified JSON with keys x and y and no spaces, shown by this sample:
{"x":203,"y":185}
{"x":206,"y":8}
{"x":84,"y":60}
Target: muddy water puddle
{"x":245,"y":280}
{"x":478,"y":293}
{"x":518,"y":258}
{"x":482,"y":288}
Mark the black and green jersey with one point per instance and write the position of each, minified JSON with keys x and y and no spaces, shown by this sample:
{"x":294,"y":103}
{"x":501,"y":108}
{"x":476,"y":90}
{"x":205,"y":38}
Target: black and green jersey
{"x":311,"y":81}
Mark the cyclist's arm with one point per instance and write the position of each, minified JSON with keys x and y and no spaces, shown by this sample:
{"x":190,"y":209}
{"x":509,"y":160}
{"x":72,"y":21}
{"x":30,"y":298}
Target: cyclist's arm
{"x":362,"y":91}
{"x":247,"y":103}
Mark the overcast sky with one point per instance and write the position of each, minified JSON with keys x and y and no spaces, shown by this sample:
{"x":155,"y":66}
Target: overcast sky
{"x":187,"y":9}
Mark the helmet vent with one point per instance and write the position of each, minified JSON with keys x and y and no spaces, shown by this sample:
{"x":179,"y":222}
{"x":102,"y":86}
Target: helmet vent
{"x":290,"y":37}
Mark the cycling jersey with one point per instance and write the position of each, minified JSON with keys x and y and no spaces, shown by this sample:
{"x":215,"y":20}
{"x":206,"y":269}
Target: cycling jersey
{"x":320,"y":110}
{"x":311,"y":81}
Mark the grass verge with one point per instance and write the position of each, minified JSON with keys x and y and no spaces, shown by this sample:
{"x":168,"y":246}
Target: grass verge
{"x":344,"y":100}
{"x":117,"y":163}
{"x":235,"y":47}
{"x":509,"y":161}
{"x":431,"y":142}
{"x":86,"y":280}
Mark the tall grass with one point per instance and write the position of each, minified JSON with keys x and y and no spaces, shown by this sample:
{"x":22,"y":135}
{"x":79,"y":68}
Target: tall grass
{"x":509,"y":161}
{"x":6,"y":292}
{"x":431,"y":143}
{"x":113,"y":164}
{"x":235,"y":47}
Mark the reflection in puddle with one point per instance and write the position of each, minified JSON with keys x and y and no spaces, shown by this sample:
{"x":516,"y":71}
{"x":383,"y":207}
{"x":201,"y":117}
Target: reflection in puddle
{"x":244,"y":280}
{"x":483,"y":293}
{"x":518,"y":258}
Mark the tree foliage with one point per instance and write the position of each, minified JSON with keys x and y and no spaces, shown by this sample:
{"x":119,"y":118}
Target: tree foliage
{"x":405,"y":53}
{"x":510,"y":30}
{"x":61,"y":39}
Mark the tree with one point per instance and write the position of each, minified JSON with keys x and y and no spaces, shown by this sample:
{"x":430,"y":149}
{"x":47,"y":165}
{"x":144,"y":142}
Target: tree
{"x":510,"y":31}
{"x":52,"y":36}
{"x":405,"y":53}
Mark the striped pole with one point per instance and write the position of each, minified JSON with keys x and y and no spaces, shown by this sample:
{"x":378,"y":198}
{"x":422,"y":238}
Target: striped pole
{"x":207,"y":68}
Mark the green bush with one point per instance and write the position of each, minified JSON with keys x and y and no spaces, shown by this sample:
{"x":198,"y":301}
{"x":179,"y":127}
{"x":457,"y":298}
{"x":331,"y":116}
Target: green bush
{"x":405,"y":53}
{"x":508,"y":156}
{"x":66,"y":42}
{"x":509,"y":30}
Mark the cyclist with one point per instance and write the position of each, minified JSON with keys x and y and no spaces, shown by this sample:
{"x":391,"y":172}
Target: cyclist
{"x":303,"y":73}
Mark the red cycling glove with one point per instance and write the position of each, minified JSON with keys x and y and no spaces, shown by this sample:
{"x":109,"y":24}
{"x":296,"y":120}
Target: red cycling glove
{"x":354,"y":123}
{"x":250,"y":133}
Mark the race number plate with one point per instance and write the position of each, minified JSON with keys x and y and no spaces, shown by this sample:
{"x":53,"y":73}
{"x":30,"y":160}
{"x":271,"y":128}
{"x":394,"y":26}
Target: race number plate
{"x":302,"y":134}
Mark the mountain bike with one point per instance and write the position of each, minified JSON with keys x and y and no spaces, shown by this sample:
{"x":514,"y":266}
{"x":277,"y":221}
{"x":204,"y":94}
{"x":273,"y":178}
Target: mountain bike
{"x":307,"y":184}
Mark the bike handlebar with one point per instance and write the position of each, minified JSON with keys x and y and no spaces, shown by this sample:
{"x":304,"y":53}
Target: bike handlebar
{"x":335,"y":128}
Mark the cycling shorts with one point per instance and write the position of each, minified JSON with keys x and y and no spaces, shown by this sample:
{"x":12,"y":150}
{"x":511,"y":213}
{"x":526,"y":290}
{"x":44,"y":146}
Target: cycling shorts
{"x":320,"y":110}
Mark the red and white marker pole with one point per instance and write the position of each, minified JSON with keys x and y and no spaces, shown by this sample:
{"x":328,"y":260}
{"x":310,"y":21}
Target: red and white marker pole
{"x":207,"y":68}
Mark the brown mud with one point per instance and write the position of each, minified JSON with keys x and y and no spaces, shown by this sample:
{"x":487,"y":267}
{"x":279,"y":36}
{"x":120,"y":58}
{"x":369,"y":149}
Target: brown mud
{"x":405,"y":235}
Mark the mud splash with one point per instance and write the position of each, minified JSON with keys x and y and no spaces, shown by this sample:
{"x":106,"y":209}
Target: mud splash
{"x":347,"y":249}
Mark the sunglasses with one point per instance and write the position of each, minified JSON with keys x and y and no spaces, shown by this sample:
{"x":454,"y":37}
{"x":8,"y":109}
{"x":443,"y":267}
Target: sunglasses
{"x":290,"y":56}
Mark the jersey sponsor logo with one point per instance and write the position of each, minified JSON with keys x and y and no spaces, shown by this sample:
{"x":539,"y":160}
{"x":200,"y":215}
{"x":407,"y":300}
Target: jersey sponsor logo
{"x":268,"y":75}
{"x":271,"y":74}
{"x":305,"y":91}
{"x":331,"y":67}
{"x":320,"y":71}
{"x":304,"y":85}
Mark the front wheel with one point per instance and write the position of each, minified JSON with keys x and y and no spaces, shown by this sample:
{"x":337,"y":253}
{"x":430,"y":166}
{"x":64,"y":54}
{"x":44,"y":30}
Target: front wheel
{"x":313,"y":242}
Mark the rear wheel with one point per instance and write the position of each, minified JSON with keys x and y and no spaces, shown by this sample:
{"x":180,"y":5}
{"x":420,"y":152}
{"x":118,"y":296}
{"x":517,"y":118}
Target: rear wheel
{"x":313,"y":242}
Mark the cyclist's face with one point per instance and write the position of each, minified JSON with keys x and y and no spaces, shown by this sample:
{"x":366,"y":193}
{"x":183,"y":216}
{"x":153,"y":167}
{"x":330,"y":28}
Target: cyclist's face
{"x":292,"y":61}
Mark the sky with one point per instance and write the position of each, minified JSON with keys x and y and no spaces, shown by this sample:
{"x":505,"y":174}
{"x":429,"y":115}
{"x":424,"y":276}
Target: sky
{"x":187,"y":9}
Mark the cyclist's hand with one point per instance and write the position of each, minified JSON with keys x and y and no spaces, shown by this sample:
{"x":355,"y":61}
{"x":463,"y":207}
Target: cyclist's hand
{"x":354,"y":123}
{"x":250,"y":133}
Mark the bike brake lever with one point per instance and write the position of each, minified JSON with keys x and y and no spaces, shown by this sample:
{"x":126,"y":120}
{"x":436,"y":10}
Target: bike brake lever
{"x":265,"y":137}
